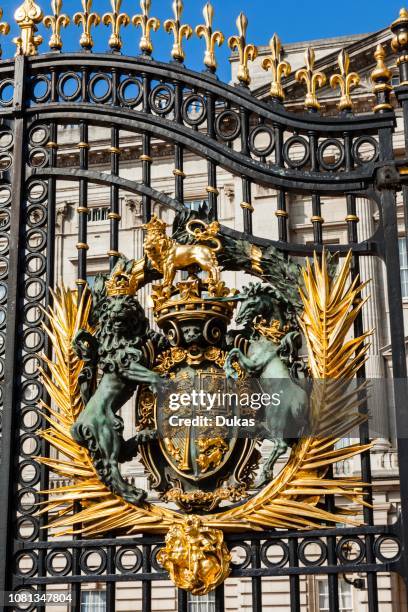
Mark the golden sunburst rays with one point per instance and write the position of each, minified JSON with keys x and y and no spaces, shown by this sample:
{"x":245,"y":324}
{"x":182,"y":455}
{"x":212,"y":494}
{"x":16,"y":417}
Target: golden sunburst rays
{"x":99,"y":509}
{"x":292,"y":500}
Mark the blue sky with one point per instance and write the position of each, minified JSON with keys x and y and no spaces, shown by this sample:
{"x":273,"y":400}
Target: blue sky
{"x":293,"y":20}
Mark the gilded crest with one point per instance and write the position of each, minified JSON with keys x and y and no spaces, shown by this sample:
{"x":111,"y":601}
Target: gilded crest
{"x":106,"y":354}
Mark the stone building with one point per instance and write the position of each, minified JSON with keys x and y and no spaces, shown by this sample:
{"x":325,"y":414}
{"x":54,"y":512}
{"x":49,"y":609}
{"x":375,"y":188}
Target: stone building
{"x":384,"y":459}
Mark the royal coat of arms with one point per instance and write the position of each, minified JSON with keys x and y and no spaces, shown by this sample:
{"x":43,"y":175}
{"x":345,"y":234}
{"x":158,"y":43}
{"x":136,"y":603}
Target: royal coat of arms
{"x":187,"y":375}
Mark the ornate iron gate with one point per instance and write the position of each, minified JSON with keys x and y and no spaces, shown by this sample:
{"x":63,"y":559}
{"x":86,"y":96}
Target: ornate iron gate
{"x":54,"y":89}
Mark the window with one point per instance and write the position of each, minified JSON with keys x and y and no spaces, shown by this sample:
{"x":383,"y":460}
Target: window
{"x":395,"y":81}
{"x":98,"y":213}
{"x":93,"y":601}
{"x":345,"y":596}
{"x":195,"y":204}
{"x":204,"y":603}
{"x":403,"y":266}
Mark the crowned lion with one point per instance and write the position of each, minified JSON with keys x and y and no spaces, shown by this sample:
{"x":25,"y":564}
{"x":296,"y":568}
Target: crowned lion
{"x":167,"y":256}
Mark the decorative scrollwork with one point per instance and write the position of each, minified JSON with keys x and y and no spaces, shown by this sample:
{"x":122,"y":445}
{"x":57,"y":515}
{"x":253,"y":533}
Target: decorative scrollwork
{"x":117,"y":20}
{"x":147,"y":24}
{"x":55,"y":22}
{"x":279,"y":68}
{"x":312,"y":79}
{"x":27,"y":16}
{"x":87,"y":19}
{"x":247,"y":53}
{"x":211,"y":38}
{"x":179,"y":30}
{"x":346,"y":81}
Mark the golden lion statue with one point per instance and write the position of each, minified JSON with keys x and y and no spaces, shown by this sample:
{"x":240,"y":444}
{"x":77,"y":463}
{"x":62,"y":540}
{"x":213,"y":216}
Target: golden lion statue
{"x":167,"y":256}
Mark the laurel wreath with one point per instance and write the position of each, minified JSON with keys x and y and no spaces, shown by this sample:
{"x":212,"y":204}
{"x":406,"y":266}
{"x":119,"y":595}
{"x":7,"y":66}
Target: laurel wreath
{"x":292,"y":499}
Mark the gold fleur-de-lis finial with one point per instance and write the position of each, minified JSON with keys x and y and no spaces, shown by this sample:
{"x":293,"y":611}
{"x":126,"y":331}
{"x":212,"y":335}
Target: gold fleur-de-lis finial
{"x":345,"y":81}
{"x":27,"y":16}
{"x":279,"y":68}
{"x":312,"y":79}
{"x":247,"y":53}
{"x":147,"y":24}
{"x":87,"y":19}
{"x":117,"y":20}
{"x":179,"y":30}
{"x":4,"y":27}
{"x":211,"y":38}
{"x":55,"y":22}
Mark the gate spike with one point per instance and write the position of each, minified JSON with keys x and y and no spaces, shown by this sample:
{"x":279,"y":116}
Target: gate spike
{"x":247,"y":53}
{"x":346,"y":81}
{"x":313,"y":79}
{"x":211,"y":38}
{"x":27,"y":16}
{"x":117,"y":20}
{"x":55,"y":22}
{"x":87,"y":19}
{"x":179,"y":30}
{"x":147,"y":24}
{"x":279,"y":68}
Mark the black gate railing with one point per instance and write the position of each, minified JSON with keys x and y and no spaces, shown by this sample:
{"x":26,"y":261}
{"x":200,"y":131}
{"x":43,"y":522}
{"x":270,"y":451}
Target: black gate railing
{"x":219,"y":124}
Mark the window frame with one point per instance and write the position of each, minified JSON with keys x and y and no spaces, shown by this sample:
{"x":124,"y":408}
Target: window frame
{"x":403,"y":260}
{"x":93,"y":605}
{"x":201,"y":603}
{"x":343,"y":585}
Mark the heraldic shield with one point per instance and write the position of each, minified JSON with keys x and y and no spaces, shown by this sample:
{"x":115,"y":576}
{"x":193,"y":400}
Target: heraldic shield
{"x":197,"y":438}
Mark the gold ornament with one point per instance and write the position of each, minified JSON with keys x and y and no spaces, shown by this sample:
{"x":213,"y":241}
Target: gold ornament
{"x":208,"y":500}
{"x":117,"y":20}
{"x":211,"y":452}
{"x":147,"y":24}
{"x":346,"y":81}
{"x":124,"y":283}
{"x":247,"y":53}
{"x":176,"y":356}
{"x":27,"y":16}
{"x":195,"y":556}
{"x":167,"y":256}
{"x":399,"y":42}
{"x":87,"y":19}
{"x":4,"y":27}
{"x":55,"y":22}
{"x":272,"y":331}
{"x":256,"y":259}
{"x":211,"y":38}
{"x":179,"y":30}
{"x":381,"y":79}
{"x":278,"y":67}
{"x":312,"y":79}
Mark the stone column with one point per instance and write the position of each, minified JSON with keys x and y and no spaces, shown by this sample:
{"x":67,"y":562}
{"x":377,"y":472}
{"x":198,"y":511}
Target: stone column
{"x":373,"y":319}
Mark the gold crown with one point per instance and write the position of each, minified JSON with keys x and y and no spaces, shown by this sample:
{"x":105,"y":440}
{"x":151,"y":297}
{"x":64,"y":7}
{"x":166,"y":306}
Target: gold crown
{"x":155,"y":225}
{"x":122,"y":282}
{"x":187,"y":302}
